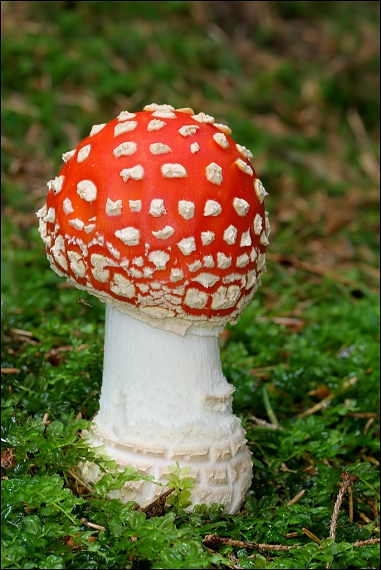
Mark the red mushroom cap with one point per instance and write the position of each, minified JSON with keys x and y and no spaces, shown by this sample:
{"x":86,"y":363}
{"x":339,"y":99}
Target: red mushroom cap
{"x":161,"y":214}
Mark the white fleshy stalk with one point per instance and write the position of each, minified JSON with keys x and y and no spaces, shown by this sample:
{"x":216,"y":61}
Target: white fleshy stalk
{"x":164,"y":400}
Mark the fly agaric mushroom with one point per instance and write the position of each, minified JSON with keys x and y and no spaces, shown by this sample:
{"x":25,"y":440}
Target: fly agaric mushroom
{"x":160,"y":214}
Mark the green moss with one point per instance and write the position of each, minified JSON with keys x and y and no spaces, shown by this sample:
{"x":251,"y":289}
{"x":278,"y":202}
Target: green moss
{"x":298,"y":84}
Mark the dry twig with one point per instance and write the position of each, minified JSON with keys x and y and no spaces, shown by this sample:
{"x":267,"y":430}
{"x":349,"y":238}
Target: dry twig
{"x":214,"y":541}
{"x":92,"y":525}
{"x":367,"y":425}
{"x":264,"y":423}
{"x":346,"y":481}
{"x":350,"y":495}
{"x":156,"y":508}
{"x":296,"y":498}
{"x":311,"y":535}
{"x":73,"y":472}
{"x":326,"y":401}
{"x":316,"y":408}
{"x":45,"y":419}
{"x":366,"y":542}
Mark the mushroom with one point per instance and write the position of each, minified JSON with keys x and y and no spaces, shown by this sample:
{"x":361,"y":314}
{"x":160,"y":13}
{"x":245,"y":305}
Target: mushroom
{"x":160,"y":214}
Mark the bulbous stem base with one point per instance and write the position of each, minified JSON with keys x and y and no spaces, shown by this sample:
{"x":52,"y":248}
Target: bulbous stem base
{"x":164,"y":401}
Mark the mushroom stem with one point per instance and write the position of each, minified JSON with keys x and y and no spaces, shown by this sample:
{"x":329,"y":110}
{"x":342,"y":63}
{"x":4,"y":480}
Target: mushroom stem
{"x":164,"y":400}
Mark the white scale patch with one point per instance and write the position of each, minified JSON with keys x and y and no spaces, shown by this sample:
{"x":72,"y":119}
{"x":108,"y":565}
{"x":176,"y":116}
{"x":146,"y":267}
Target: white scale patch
{"x":77,"y":224}
{"x":223,"y":262}
{"x":241,"y":206}
{"x":188,"y":130}
{"x":136,"y":172}
{"x":196,"y":299}
{"x":267,"y":224}
{"x":125,"y":149}
{"x":50,"y":216}
{"x":206,"y":279}
{"x":244,"y":151}
{"x":251,"y":279}
{"x":83,"y":153}
{"x":125,"y":127}
{"x":135,"y":205}
{"x":155,"y":125}
{"x":207,"y":237}
{"x":99,"y":270}
{"x":221,"y":140}
{"x":129,"y":236}
{"x":194,"y":147}
{"x":257,"y":224}
{"x":223,"y":128}
{"x":187,"y":245}
{"x":173,"y":171}
{"x":245,"y":239}
{"x":112,"y":249}
{"x":157,"y":208}
{"x":242,"y":260}
{"x":186,"y":209}
{"x":125,"y":116}
{"x":122,"y":286}
{"x":203,"y":118}
{"x":113,"y":208}
{"x":165,"y":233}
{"x":225,"y":297}
{"x":101,"y":261}
{"x":41,"y":213}
{"x":253,"y":254}
{"x":263,"y":239}
{"x":89,"y":228}
{"x":208,"y":261}
{"x":260,"y":190}
{"x":158,"y":107}
{"x":82,"y":245}
{"x":87,"y":190}
{"x":214,"y":173}
{"x":242,"y":165}
{"x":195,"y":266}
{"x":143,"y":287}
{"x":97,"y":240}
{"x":159,"y":259}
{"x":234,"y":277}
{"x":96,"y":129}
{"x":159,"y":148}
{"x":67,"y":206}
{"x":56,"y":184}
{"x":58,"y":251}
{"x":136,"y":272}
{"x":261,"y":263}
{"x":164,"y":114}
{"x":76,"y":263}
{"x":173,"y":300}
{"x":230,"y":235}
{"x":176,"y":275}
{"x":212,"y":208}
{"x":68,"y":155}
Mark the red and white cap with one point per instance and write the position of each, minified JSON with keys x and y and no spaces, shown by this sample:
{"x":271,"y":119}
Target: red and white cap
{"x":160,"y":214}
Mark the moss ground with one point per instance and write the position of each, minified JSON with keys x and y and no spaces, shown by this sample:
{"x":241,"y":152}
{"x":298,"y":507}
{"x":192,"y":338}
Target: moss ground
{"x":298,"y":83}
